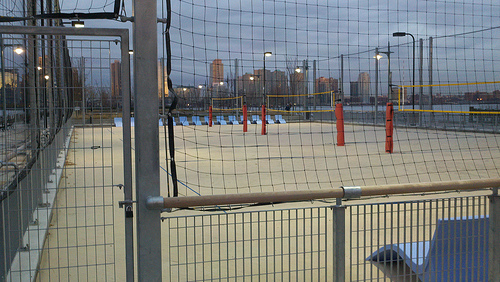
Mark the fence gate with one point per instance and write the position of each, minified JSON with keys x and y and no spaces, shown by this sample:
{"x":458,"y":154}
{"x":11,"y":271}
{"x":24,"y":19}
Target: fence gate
{"x":64,"y":165}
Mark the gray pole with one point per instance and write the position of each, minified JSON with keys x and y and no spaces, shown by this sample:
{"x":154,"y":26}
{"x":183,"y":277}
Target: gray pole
{"x":4,"y":99}
{"x":494,"y":232}
{"x":413,"y":76}
{"x":314,"y":84}
{"x":389,"y":74}
{"x":127,"y":158}
{"x":377,"y":54}
{"x":236,"y":90}
{"x":149,"y":260}
{"x":341,"y":90}
{"x":264,"y":92}
{"x":421,"y":80}
{"x":306,"y":80}
{"x":430,"y":72}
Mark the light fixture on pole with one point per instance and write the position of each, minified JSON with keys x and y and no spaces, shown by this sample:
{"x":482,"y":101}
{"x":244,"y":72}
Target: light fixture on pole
{"x":78,"y":24}
{"x":402,"y":34}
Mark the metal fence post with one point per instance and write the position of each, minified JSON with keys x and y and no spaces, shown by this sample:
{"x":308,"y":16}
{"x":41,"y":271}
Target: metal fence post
{"x":338,"y":242}
{"x":146,"y":140}
{"x":494,"y":247}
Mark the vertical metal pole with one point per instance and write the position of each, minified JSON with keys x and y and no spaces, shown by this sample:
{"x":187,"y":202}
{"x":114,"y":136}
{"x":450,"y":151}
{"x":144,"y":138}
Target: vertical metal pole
{"x":305,"y":66}
{"x":4,"y":99}
{"x":127,"y":159}
{"x":341,"y":90}
{"x":314,"y":84}
{"x":375,"y":106}
{"x":494,"y":233}
{"x":421,"y":79}
{"x":236,"y":86}
{"x":146,"y":140}
{"x":389,"y":73}
{"x":430,"y":72}
{"x":338,"y":242}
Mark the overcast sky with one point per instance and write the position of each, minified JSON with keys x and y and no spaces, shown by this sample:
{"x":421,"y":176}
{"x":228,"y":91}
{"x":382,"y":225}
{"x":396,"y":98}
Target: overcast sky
{"x":322,"y":30}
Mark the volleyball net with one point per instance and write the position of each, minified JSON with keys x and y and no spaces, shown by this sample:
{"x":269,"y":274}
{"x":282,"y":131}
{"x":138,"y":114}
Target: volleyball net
{"x":298,"y":76}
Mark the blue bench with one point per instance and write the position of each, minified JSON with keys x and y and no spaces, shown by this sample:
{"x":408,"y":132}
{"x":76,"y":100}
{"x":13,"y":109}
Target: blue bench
{"x":183,"y":121}
{"x":269,"y":120}
{"x":248,"y":121}
{"x":256,"y":119}
{"x":233,"y":120}
{"x":196,"y":120}
{"x":220,"y":120}
{"x":458,"y":249}
{"x":160,"y":122}
{"x":279,"y":119}
{"x":206,"y":118}
{"x":118,"y":122}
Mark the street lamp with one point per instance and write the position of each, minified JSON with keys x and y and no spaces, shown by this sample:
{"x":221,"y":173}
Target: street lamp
{"x":377,"y":58}
{"x":402,"y":34}
{"x":266,"y":54}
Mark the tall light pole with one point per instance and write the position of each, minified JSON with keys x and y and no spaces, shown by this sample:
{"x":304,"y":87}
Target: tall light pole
{"x":402,"y":34}
{"x":266,"y":54}
{"x":377,"y":58}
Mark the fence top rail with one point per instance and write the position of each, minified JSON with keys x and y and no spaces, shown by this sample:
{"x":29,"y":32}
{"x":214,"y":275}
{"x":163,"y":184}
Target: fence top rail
{"x":342,"y":192}
{"x":118,"y":32}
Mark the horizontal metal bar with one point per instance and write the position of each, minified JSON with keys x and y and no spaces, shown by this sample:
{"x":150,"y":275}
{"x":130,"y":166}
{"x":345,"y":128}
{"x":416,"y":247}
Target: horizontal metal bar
{"x":118,"y":32}
{"x":429,"y":187}
{"x":307,"y":195}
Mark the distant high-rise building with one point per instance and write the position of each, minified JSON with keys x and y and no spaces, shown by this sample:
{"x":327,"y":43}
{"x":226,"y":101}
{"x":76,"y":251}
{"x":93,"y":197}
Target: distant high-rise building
{"x":116,"y":80}
{"x":364,"y":87}
{"x":324,"y":84}
{"x":354,"y":89}
{"x":216,"y":72}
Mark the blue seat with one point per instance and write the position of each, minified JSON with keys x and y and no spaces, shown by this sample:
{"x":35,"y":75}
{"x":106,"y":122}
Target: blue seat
{"x":161,"y":121}
{"x":196,"y":120}
{"x":279,"y":119}
{"x":256,"y":119}
{"x":183,"y":121}
{"x":118,"y":122}
{"x":248,"y":121}
{"x":220,"y":120}
{"x":206,"y":118}
{"x":459,"y":248}
{"x":233,"y":120}
{"x":269,"y":120}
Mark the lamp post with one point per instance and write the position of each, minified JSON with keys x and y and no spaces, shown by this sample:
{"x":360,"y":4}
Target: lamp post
{"x":377,"y":58}
{"x":266,"y":54}
{"x":402,"y":34}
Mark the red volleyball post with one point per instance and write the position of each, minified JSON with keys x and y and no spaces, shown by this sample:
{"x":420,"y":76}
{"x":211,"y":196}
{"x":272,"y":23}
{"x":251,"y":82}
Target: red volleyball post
{"x":210,"y":116}
{"x":339,"y":114}
{"x":245,"y":119}
{"x":263,"y":120}
{"x":389,"y":128}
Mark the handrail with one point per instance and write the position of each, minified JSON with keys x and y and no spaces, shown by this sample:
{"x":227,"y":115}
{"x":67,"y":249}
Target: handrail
{"x":307,"y":195}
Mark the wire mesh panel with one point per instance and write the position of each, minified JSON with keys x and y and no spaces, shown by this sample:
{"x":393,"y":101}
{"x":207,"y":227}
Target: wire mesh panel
{"x":281,"y":244}
{"x":61,"y":167}
{"x":428,"y":240}
{"x":439,"y":74}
